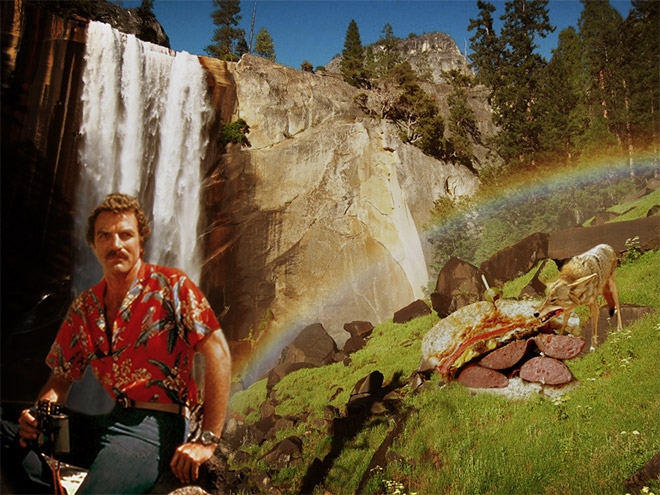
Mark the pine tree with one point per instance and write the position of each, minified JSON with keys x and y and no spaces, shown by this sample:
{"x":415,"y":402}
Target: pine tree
{"x":352,"y":62}
{"x":242,"y":47}
{"x":225,"y":37}
{"x":462,"y":124}
{"x":486,"y":46}
{"x":264,"y":46}
{"x":561,"y":100}
{"x":388,"y":55}
{"x":641,"y":67}
{"x":146,"y":7}
{"x":515,"y":100}
{"x":601,"y":32}
{"x":417,"y":114}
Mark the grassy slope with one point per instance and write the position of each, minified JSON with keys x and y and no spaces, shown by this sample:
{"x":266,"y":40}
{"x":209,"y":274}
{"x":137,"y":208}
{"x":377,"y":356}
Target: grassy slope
{"x":588,"y":441}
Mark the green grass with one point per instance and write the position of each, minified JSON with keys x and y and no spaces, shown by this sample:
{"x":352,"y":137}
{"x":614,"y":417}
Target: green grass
{"x":458,"y":443}
{"x":636,"y":209}
{"x":633,"y":209}
{"x":588,"y":441}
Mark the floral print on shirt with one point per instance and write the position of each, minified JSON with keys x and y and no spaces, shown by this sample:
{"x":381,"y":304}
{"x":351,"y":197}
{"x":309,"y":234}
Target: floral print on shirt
{"x":150,"y":356}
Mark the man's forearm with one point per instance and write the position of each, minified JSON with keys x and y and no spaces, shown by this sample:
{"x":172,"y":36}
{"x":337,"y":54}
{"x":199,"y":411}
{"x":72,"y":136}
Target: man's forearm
{"x":56,"y":389}
{"x":217,"y":381}
{"x":190,"y":456}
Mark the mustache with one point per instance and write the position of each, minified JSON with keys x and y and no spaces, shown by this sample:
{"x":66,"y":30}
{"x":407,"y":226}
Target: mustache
{"x":115,"y":253}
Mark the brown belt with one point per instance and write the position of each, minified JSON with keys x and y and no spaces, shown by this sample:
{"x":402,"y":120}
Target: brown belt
{"x":127,"y":403}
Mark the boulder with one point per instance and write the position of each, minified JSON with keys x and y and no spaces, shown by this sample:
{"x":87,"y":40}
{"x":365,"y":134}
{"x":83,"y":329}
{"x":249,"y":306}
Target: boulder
{"x":654,"y":210}
{"x":567,"y":243}
{"x":413,"y":310}
{"x":513,"y":261}
{"x":281,"y":370}
{"x":535,"y":287}
{"x":355,"y":343}
{"x":459,"y":283}
{"x":313,"y":345}
{"x":236,"y":434}
{"x":262,"y":427}
{"x":365,"y":392}
{"x":603,"y":217}
{"x":638,"y":194}
{"x":362,"y":328}
{"x":284,"y":452}
{"x":646,"y":475}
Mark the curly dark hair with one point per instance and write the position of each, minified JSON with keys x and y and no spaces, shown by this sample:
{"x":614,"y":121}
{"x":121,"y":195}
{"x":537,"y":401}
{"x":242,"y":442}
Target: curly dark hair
{"x":118,"y":203}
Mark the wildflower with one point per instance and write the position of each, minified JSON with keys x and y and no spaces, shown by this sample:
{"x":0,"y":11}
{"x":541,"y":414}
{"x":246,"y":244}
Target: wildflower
{"x":635,"y":432}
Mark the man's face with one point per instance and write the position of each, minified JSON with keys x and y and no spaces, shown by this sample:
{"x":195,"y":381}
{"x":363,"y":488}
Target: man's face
{"x":117,"y":243}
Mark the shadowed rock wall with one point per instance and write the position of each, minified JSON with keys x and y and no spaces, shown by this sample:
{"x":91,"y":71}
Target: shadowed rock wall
{"x":41,"y":67}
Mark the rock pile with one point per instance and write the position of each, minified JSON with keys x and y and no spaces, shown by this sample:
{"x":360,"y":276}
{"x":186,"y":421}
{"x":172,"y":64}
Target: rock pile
{"x":537,"y":359}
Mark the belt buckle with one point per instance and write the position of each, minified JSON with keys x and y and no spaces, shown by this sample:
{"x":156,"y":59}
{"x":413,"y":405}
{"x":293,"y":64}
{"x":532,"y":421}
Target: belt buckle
{"x":124,"y":401}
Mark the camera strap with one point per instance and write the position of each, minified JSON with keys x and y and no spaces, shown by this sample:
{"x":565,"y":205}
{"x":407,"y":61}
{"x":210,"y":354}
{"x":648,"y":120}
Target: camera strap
{"x":57,"y":479}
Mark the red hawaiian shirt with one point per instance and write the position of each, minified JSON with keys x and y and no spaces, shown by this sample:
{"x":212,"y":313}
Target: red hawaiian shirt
{"x":163,"y":316}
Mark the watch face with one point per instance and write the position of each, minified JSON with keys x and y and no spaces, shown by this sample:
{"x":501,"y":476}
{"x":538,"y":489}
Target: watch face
{"x":208,"y":437}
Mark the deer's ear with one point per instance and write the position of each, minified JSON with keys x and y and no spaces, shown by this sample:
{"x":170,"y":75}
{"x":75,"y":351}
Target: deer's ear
{"x":582,"y":280}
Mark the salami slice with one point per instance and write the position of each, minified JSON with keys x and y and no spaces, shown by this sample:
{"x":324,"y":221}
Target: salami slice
{"x":559,"y":346}
{"x":505,"y":357}
{"x":545,"y":370}
{"x":479,"y":377}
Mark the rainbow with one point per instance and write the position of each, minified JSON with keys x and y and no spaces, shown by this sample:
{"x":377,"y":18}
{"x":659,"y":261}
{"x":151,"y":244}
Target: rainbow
{"x":543,"y":184}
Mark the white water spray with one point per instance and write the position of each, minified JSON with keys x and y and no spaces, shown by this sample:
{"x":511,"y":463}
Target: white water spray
{"x":144,"y":133}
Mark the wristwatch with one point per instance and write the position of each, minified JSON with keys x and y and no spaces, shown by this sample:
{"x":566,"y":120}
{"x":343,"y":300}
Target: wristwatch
{"x":208,"y":437}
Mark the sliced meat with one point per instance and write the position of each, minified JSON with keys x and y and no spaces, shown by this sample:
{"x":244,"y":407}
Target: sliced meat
{"x":476,"y":376}
{"x":559,"y":346}
{"x":548,"y":371}
{"x":505,"y":357}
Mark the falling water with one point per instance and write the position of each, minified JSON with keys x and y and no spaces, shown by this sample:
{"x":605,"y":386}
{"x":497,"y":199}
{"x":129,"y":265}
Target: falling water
{"x":144,"y":122}
{"x":143,"y":132}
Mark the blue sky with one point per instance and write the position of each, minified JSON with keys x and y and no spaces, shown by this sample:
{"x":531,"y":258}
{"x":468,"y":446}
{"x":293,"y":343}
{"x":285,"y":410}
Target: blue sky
{"x":314,"y":30}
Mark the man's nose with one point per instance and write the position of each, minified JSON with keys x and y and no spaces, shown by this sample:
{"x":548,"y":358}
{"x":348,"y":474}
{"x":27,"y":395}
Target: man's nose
{"x":115,"y":240}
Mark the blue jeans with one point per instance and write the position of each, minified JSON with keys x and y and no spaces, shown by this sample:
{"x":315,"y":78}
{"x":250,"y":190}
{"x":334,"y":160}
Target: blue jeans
{"x":125,"y":451}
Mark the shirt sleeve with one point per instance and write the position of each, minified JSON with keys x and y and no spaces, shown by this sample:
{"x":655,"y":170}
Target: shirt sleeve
{"x":67,"y":357}
{"x":194,"y":311}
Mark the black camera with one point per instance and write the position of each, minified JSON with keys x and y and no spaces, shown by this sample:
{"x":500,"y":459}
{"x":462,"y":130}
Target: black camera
{"x":53,"y":428}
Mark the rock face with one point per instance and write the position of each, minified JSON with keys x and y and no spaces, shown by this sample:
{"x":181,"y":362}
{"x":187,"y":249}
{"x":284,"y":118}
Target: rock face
{"x":322,"y":212}
{"x":432,"y":53}
{"x":41,"y":66}
{"x":140,"y":22}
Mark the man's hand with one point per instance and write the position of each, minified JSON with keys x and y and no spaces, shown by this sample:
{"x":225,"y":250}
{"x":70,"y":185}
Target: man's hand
{"x":188,"y":458}
{"x":28,"y":425}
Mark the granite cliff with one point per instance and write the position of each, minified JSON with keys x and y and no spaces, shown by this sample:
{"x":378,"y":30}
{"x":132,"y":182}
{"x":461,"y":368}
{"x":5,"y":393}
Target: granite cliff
{"x":430,"y":53}
{"x":319,"y":220}
{"x":327,"y":208}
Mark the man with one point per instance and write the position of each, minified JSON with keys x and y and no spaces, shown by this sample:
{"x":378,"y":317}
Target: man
{"x":139,"y":329}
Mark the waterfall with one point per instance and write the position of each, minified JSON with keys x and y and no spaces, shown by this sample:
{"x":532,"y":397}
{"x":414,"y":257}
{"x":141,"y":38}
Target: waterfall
{"x":145,"y":111}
